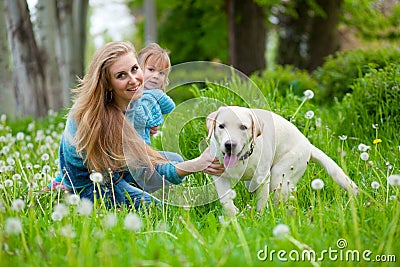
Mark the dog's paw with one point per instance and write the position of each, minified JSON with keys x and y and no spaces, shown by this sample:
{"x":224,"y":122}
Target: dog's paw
{"x":230,"y":209}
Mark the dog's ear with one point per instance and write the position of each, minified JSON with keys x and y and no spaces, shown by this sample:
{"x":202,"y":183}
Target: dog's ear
{"x":210,"y":122}
{"x":257,"y":125}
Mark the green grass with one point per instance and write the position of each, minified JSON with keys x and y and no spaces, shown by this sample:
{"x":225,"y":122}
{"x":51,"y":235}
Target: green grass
{"x":202,"y":236}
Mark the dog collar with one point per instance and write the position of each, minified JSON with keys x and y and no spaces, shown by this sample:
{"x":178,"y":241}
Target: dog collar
{"x":248,"y":153}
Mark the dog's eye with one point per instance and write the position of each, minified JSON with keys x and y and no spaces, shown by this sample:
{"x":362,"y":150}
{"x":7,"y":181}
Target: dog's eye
{"x":243,"y":127}
{"x":221,"y":126}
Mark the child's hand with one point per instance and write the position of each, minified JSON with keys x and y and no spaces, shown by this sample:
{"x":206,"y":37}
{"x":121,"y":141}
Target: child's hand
{"x":154,"y":130}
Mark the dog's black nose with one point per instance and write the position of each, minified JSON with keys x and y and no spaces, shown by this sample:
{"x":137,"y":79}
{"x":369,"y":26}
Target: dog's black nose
{"x":230,"y":145}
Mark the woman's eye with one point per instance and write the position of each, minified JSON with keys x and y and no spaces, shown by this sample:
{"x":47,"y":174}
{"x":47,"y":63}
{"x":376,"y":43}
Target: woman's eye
{"x":243,"y":127}
{"x":221,"y":126}
{"x":121,"y":75}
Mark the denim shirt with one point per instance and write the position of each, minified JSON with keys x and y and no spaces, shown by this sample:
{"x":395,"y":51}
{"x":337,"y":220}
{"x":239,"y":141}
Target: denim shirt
{"x":74,"y":173}
{"x":148,"y":111}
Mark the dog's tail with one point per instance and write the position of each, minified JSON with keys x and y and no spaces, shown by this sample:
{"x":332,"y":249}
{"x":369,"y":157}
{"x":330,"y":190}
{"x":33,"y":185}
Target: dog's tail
{"x":334,"y":170}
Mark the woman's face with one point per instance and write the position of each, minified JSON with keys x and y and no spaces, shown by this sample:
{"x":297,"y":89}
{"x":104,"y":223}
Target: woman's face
{"x":126,"y":80}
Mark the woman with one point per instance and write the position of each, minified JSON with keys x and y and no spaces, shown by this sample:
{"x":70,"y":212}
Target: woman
{"x":98,"y":138}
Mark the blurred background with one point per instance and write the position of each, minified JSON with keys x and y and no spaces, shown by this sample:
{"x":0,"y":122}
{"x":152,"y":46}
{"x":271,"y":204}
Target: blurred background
{"x":46,"y":44}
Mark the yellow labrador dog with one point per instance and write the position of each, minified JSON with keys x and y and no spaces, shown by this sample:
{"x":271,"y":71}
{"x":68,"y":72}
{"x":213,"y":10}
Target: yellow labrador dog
{"x":266,"y":151}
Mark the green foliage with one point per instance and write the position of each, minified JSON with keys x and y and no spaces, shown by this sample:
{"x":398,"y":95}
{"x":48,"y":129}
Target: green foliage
{"x":373,"y":19}
{"x":286,"y":79}
{"x":374,"y":101}
{"x":339,"y":72}
{"x":195,"y":30}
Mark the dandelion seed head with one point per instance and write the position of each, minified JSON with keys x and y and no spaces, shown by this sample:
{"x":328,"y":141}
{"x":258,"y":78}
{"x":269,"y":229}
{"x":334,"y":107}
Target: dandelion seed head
{"x":20,"y":136}
{"x":3,"y":117}
{"x":318,"y":122}
{"x":73,"y":199}
{"x":61,"y":209}
{"x":317,"y":184}
{"x":18,"y":205}
{"x":363,"y":147}
{"x":8,"y":183}
{"x":56,"y":216}
{"x":96,"y":177}
{"x":67,"y":231}
{"x":392,"y":197}
{"x":308,"y":94}
{"x":13,"y":226}
{"x":110,"y":220}
{"x":394,"y":179}
{"x":281,"y":230}
{"x":309,"y":114}
{"x":133,"y":222}
{"x":364,"y":156}
{"x":343,"y":137}
{"x":375,"y":185}
{"x":46,"y":169}
{"x":16,"y":177}
{"x":45,"y":157}
{"x":85,"y":207}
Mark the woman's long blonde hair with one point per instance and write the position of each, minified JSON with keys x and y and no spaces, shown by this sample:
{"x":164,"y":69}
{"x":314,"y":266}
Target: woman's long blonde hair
{"x":104,"y":137}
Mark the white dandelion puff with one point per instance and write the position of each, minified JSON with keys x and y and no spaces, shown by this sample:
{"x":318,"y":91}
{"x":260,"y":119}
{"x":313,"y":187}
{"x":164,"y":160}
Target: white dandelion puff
{"x":20,"y":136}
{"x":363,"y":147}
{"x":375,"y":185}
{"x":74,"y":199}
{"x":45,"y":157}
{"x":317,"y":184}
{"x":61,"y":209}
{"x":18,"y":205}
{"x":343,"y":137}
{"x":364,"y":156}
{"x":96,"y":177}
{"x":16,"y":177}
{"x":309,"y":114}
{"x":56,"y":216}
{"x":8,"y":183}
{"x":3,"y":117}
{"x":308,"y":94}
{"x":85,"y":207}
{"x":68,"y":231}
{"x":394,"y":179}
{"x":110,"y":220}
{"x":13,"y":226}
{"x":133,"y":222}
{"x":281,"y":230}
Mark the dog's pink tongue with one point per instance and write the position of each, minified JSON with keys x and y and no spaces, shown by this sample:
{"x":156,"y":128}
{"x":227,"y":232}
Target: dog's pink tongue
{"x":230,"y":160}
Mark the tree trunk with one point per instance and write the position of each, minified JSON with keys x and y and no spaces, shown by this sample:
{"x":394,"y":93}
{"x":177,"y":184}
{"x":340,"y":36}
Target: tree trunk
{"x":247,"y":35}
{"x":72,"y":19}
{"x":47,"y":35}
{"x":324,"y":37}
{"x":7,"y":102}
{"x":150,"y":23}
{"x":28,"y":75}
{"x":306,"y":38}
{"x":293,"y":35}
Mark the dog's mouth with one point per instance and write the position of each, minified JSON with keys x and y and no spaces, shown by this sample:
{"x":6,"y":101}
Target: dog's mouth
{"x":230,"y":160}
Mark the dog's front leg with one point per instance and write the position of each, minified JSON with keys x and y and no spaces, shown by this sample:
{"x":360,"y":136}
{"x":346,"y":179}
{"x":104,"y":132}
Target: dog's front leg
{"x":226,"y":195}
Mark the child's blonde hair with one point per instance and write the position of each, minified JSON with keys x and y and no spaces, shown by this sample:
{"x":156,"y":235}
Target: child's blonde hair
{"x":155,"y":55}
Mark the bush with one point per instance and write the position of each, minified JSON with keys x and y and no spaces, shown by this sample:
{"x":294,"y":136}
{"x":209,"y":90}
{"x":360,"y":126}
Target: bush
{"x":338,"y":72}
{"x":375,"y":100}
{"x":287,"y":78}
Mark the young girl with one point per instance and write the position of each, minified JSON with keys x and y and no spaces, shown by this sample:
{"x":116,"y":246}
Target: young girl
{"x":98,"y":137}
{"x":148,"y":111}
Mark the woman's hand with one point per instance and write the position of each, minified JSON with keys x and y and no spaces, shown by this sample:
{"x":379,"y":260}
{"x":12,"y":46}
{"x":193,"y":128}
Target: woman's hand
{"x":205,"y":162}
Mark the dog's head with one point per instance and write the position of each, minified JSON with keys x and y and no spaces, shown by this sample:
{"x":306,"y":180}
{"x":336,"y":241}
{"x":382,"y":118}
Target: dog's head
{"x":233,"y":130}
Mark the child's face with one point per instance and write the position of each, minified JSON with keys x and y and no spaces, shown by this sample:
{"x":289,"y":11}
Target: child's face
{"x":154,"y":77}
